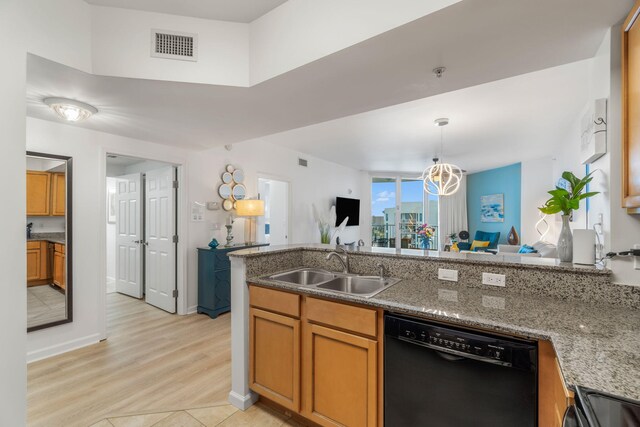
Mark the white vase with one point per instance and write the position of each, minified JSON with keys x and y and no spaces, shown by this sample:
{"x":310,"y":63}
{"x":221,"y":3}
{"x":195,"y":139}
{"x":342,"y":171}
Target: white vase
{"x":565,"y":241}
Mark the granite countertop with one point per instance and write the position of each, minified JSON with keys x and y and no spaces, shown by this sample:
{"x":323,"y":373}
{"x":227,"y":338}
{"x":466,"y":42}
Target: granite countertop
{"x":50,"y":237}
{"x":597,"y":345}
{"x":453,"y":257}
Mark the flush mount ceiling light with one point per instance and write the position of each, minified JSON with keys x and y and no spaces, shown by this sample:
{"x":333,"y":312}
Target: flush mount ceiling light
{"x":441,"y":179}
{"x":70,"y":109}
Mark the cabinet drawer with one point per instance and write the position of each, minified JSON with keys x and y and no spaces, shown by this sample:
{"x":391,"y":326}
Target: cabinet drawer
{"x":33,"y":244}
{"x":348,"y":317}
{"x":221,"y":260}
{"x":276,"y":301}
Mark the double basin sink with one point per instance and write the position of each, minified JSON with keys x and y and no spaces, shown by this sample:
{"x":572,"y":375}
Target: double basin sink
{"x":364,"y":286}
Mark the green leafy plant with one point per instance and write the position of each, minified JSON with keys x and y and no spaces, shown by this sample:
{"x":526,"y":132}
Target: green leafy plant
{"x":565,"y":201}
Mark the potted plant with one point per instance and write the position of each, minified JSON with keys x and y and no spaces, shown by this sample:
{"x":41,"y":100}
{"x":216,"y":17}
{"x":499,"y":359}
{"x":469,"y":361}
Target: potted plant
{"x":565,"y":199}
{"x":425,"y":233}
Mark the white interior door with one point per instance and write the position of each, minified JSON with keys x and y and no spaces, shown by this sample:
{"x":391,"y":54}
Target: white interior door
{"x":273,"y":227}
{"x":160,"y":225}
{"x":129,"y":236}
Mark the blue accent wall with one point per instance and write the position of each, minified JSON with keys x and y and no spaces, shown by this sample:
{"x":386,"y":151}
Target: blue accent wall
{"x":505,"y":180}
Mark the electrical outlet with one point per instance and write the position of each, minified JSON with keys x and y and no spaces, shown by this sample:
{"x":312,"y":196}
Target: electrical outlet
{"x":450,"y":275}
{"x":636,"y":259}
{"x":493,"y":279}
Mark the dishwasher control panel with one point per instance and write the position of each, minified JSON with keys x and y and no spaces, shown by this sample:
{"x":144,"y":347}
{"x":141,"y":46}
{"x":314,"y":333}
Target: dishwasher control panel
{"x":456,"y":341}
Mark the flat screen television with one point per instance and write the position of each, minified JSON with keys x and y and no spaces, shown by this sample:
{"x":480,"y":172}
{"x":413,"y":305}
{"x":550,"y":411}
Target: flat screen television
{"x":347,"y":208}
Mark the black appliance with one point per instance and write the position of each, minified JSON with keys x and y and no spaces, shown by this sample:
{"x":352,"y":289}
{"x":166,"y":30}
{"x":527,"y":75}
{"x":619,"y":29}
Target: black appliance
{"x":597,"y":409}
{"x":347,"y":208}
{"x":442,"y":376}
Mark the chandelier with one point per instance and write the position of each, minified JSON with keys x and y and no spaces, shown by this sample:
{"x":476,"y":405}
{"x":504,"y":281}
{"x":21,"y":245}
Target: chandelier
{"x":441,"y":179}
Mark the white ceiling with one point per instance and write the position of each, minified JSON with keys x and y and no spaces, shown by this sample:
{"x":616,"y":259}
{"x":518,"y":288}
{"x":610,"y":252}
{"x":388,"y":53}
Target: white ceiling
{"x":223,"y":10}
{"x":491,"y":125}
{"x":478,"y":42}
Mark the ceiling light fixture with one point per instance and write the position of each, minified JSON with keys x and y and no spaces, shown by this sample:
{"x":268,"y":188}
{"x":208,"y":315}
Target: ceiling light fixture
{"x":441,"y":179}
{"x":70,"y":109}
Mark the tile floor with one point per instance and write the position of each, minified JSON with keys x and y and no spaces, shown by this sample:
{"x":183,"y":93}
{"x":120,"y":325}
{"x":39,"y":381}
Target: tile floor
{"x":222,"y":416}
{"x":44,"y":304}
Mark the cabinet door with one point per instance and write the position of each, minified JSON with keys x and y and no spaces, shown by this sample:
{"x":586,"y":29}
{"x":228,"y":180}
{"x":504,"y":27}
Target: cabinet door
{"x":553,"y":396}
{"x":340,"y":378}
{"x":34,"y":262}
{"x":631,"y":112}
{"x":38,"y":193}
{"x":274,"y":357}
{"x":58,"y":194}
{"x":58,"y":269}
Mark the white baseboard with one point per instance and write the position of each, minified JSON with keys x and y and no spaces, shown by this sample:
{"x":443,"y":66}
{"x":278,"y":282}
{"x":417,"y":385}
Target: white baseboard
{"x":54,"y":350}
{"x":192,"y":309}
{"x":242,"y":402}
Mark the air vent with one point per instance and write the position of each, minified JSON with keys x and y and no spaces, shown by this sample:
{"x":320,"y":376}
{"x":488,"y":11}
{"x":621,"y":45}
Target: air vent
{"x":302,"y":162}
{"x":174,"y":45}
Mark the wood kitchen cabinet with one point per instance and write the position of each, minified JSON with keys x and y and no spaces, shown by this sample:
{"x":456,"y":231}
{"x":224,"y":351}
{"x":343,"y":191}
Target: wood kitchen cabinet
{"x":34,"y":261}
{"x":321,"y":359}
{"x":553,"y":396}
{"x":59,"y":266}
{"x":58,"y":194}
{"x":631,"y":112}
{"x":38,"y":193}
{"x":38,"y":262}
{"x":274,"y":346}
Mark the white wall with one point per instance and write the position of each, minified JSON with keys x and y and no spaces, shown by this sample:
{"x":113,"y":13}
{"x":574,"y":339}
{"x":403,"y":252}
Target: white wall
{"x":301,"y":31}
{"x":13,"y":304}
{"x":87,"y":149}
{"x":537,"y":178}
{"x":121,"y":43}
{"x":317,"y":184}
{"x":625,"y":229}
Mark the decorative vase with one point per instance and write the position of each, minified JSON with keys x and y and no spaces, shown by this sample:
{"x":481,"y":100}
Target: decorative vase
{"x":513,"y":238}
{"x":325,"y":234}
{"x":565,"y":241}
{"x":213,"y":243}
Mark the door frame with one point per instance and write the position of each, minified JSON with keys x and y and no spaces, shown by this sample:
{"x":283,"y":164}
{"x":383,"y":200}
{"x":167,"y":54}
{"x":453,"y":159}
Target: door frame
{"x":182,"y":229}
{"x":262,"y":175}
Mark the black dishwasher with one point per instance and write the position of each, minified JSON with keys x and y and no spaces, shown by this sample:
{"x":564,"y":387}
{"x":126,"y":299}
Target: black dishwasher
{"x":442,"y":376}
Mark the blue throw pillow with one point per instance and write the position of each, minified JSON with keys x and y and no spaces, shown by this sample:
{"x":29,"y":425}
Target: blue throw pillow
{"x":526,"y":249}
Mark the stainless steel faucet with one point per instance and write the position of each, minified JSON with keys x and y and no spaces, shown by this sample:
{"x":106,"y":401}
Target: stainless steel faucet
{"x":380,"y":269}
{"x":344,"y":258}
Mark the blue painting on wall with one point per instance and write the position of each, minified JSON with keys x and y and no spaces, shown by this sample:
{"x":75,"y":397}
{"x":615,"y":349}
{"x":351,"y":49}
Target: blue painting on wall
{"x":492,"y":208}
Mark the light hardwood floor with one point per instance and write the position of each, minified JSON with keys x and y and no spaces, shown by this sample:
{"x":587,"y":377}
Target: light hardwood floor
{"x":152,"y":362}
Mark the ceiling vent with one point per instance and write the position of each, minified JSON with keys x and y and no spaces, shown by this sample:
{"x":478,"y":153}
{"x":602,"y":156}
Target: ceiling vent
{"x":174,"y":45}
{"x":302,"y":162}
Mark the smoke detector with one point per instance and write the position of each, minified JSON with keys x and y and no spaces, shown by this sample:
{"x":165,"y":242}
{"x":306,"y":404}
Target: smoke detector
{"x":439,"y":71}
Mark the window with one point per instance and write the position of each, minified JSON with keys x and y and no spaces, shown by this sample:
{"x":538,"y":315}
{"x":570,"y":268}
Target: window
{"x":396,"y":225}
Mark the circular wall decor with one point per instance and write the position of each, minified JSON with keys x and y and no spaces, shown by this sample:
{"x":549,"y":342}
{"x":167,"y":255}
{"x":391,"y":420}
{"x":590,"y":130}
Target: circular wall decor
{"x":227,"y":178}
{"x":227,"y":205}
{"x":230,"y":168}
{"x":239,"y":192}
{"x":224,"y":191}
{"x":238,"y":176}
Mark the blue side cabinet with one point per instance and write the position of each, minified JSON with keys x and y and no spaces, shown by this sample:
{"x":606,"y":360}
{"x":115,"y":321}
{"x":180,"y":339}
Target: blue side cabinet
{"x":214,"y":279}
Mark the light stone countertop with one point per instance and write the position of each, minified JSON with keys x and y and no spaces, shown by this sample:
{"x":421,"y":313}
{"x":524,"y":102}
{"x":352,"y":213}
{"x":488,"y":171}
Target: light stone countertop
{"x":598,"y":345}
{"x":452,"y":257}
{"x":50,"y":237}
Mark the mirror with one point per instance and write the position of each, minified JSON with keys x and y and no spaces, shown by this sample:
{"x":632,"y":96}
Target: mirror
{"x":227,"y":178}
{"x":238,"y":176}
{"x":239,"y":192}
{"x":224,"y":191}
{"x":227,"y":205}
{"x":49,"y":243}
{"x":230,"y":168}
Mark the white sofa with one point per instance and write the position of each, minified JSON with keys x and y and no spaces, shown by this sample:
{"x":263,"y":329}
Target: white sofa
{"x":544,"y":250}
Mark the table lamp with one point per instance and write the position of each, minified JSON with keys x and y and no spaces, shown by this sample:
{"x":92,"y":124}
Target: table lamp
{"x":250,"y":209}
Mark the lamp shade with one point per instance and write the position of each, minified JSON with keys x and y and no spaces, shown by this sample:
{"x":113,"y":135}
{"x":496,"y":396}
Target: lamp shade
{"x":250,"y":207}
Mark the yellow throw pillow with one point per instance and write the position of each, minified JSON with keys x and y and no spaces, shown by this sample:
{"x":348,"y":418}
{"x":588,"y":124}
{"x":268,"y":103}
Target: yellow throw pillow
{"x":478,"y":244}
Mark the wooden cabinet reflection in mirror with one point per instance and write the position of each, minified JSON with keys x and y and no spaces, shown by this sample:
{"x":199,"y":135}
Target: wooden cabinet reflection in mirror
{"x":48,"y":234}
